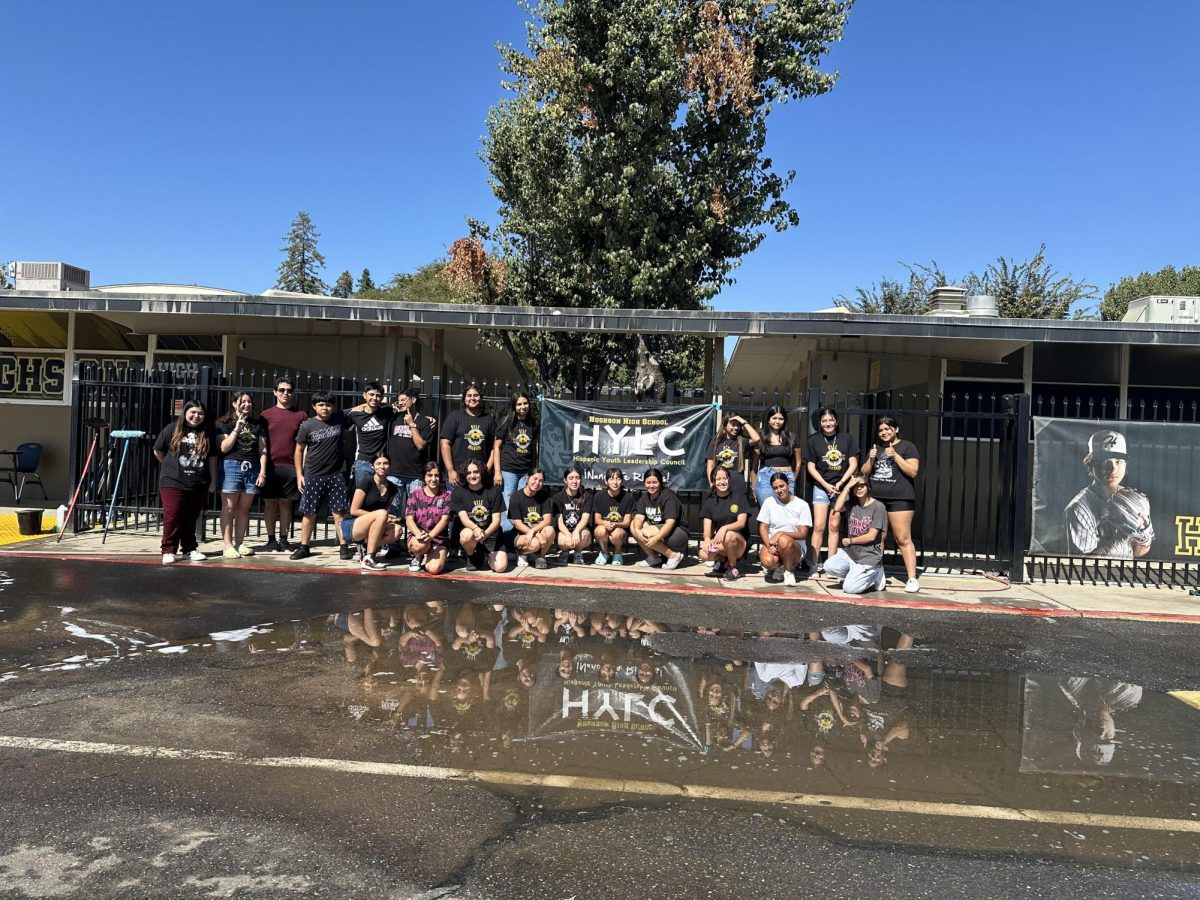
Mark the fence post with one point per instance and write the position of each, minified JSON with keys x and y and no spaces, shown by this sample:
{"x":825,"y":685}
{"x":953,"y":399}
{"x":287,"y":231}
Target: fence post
{"x":1022,"y":485}
{"x":74,"y":448}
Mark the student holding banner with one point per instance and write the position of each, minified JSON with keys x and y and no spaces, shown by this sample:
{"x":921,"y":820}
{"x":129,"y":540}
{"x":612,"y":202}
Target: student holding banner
{"x":612,"y":512}
{"x":658,"y":525}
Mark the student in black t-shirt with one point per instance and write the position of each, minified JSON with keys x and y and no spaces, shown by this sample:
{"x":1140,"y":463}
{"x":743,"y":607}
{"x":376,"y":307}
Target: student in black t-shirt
{"x":530,"y":512}
{"x":723,"y":515}
{"x":892,"y":465}
{"x":477,"y":508}
{"x":373,"y":517}
{"x":612,"y":515}
{"x":320,"y":472}
{"x":408,"y":442}
{"x":468,"y":434}
{"x":658,"y":525}
{"x":369,"y":423}
{"x":187,"y":456}
{"x":515,"y":453}
{"x":730,"y":449}
{"x":572,"y":510}
{"x":243,"y":443}
{"x":831,"y":458}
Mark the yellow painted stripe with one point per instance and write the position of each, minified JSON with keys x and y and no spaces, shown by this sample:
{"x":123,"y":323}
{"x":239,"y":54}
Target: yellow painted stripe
{"x":615,"y":785}
{"x":1191,"y":698}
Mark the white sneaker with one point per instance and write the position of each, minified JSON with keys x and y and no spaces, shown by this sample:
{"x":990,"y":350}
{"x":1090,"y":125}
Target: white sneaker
{"x":673,"y":562}
{"x":882,"y":582}
{"x":196,"y":556}
{"x":651,"y":560}
{"x":522,"y":561}
{"x":789,"y":577}
{"x":713,"y":563}
{"x":168,"y":558}
{"x":912,"y":586}
{"x":416,"y":563}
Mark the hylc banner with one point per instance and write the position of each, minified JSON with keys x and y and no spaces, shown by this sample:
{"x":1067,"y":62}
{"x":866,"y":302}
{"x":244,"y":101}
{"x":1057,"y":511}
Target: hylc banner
{"x":1118,"y":490}
{"x":597,"y":438}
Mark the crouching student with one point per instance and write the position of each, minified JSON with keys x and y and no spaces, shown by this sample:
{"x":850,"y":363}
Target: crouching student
{"x":572,"y":514}
{"x":612,"y":510}
{"x":783,"y":525}
{"x":723,"y":519}
{"x":478,"y":509}
{"x":533,"y":522}
{"x":859,"y":561}
{"x":428,"y":517}
{"x":320,"y":471}
{"x":373,"y":522}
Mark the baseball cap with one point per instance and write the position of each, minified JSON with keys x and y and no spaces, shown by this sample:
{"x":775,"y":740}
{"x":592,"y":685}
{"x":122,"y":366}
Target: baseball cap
{"x":1107,"y":444}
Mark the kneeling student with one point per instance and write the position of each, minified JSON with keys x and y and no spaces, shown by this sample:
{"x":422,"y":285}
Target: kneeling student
{"x":478,"y":509}
{"x":859,"y":561}
{"x":783,"y":525}
{"x":427,"y":514}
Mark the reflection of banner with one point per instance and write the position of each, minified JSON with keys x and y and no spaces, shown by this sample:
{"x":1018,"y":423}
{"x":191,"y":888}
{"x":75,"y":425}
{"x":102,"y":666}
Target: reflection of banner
{"x":1117,"y":490}
{"x":599,"y":694}
{"x":597,"y":438}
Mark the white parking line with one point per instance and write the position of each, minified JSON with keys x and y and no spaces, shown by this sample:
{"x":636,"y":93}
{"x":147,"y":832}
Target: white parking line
{"x":614,"y":785}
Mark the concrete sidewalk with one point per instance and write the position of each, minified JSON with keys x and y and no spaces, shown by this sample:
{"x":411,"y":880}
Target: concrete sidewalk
{"x":956,"y":593}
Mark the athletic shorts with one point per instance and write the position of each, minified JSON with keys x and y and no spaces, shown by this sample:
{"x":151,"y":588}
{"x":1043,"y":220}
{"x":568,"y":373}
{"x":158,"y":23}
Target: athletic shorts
{"x":329,"y":489}
{"x":281,"y":485}
{"x":898,"y":505}
{"x":488,"y":544}
{"x":239,"y":476}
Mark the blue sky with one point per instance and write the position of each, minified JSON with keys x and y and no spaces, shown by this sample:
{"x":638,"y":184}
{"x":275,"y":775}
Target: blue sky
{"x":152,"y":141}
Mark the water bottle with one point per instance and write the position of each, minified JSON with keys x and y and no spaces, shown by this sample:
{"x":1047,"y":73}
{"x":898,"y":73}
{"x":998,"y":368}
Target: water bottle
{"x":60,"y":518}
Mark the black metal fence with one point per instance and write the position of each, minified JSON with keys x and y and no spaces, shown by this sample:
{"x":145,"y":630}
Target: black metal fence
{"x":973,"y":490}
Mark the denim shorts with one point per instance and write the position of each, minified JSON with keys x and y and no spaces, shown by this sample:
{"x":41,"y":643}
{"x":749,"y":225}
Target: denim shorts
{"x":238,"y":477}
{"x":820,"y":498}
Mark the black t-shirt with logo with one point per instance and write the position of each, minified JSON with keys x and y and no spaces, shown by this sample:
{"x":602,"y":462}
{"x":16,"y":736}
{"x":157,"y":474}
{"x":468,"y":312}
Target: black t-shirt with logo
{"x":478,"y":505}
{"x":727,"y":452}
{"x":406,"y":460}
{"x":245,"y":448}
{"x":724,"y":510}
{"x":887,"y":481}
{"x":186,"y":470}
{"x":665,"y":506}
{"x":518,"y":447}
{"x":572,"y":509}
{"x":373,"y":499}
{"x":613,"y":509}
{"x":831,"y":455}
{"x":470,"y":437}
{"x":370,"y":431}
{"x":523,"y":508}
{"x":325,"y":455}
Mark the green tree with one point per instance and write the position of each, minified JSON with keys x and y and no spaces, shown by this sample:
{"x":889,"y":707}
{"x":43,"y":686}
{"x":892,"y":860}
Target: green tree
{"x":4,"y":282}
{"x":365,"y":283}
{"x":423,"y":285}
{"x":302,"y":262}
{"x":1166,"y":282}
{"x":1031,"y":289}
{"x":628,"y":161}
{"x":344,"y":286}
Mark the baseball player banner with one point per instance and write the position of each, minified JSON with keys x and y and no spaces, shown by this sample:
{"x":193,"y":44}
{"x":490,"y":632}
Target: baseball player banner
{"x":1116,"y":490}
{"x":597,"y":438}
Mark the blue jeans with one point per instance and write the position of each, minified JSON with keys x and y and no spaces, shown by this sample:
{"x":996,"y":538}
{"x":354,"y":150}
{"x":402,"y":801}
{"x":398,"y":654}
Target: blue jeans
{"x":512,"y":483}
{"x":762,"y":483}
{"x":362,"y":469}
{"x":406,"y":488}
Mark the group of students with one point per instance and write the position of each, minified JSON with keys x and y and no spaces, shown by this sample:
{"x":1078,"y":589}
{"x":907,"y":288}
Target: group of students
{"x":493,"y":502}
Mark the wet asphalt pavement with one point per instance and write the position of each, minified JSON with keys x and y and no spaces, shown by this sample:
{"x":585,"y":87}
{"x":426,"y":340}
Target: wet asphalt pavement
{"x":204,"y":732}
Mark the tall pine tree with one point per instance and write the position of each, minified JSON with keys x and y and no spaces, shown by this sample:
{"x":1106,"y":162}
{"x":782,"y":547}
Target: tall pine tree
{"x":344,"y":286}
{"x":302,"y":262}
{"x":364,"y":281}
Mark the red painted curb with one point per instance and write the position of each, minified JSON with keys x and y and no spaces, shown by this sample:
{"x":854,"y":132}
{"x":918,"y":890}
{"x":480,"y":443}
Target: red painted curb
{"x":845,"y":600}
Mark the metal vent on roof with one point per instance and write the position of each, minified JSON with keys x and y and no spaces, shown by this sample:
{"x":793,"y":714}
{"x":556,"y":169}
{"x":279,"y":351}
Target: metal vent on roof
{"x":51,"y":276}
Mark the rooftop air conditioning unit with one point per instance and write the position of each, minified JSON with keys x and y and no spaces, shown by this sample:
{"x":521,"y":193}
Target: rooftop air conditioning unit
{"x":51,"y":276}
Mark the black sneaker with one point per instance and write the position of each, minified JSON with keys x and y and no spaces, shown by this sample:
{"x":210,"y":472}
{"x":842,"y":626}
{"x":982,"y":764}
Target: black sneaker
{"x":285,"y":546}
{"x":272,"y":546}
{"x":301,"y":552}
{"x":347,"y":551}
{"x":540,"y":563}
{"x":773,"y":576}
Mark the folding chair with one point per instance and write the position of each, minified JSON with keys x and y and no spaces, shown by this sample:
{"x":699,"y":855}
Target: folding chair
{"x":25,"y":461}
